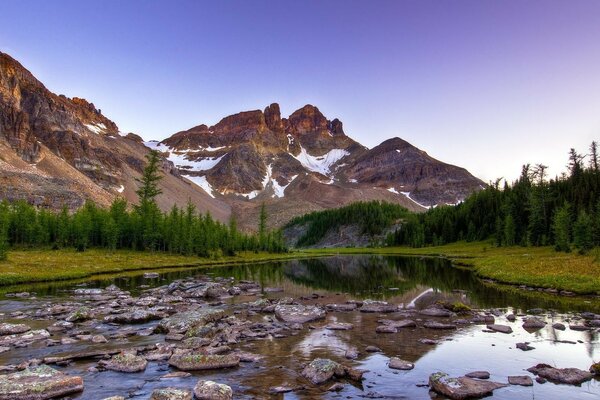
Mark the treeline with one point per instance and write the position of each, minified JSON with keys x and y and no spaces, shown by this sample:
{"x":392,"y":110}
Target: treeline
{"x":532,"y":211}
{"x":373,"y":218}
{"x":143,"y":227}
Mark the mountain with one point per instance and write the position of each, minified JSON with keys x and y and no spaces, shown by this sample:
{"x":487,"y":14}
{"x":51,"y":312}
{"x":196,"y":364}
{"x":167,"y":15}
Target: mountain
{"x":57,"y":151}
{"x":304,"y":163}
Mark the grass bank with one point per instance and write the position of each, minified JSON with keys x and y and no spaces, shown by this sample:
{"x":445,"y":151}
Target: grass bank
{"x":28,"y":266}
{"x":531,"y":266}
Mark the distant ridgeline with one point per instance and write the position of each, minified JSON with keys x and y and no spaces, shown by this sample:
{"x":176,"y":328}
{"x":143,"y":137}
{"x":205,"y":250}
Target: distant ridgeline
{"x":563,"y":212}
{"x":143,"y":227}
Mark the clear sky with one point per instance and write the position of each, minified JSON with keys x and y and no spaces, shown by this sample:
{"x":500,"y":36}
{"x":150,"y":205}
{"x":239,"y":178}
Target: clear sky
{"x":488,"y":85}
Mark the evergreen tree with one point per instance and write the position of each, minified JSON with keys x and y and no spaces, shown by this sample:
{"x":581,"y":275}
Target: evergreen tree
{"x":509,"y":231}
{"x":561,"y":227}
{"x":262,"y":226}
{"x":583,"y":233}
{"x":147,"y":207}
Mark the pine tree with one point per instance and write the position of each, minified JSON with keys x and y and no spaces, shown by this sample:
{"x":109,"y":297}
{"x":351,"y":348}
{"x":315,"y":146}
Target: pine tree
{"x":262,"y":226}
{"x":583,"y":233}
{"x":147,"y":208}
{"x":509,"y":231}
{"x":561,"y":227}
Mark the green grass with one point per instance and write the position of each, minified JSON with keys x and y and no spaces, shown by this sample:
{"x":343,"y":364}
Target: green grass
{"x":28,"y":266}
{"x":532,"y":266}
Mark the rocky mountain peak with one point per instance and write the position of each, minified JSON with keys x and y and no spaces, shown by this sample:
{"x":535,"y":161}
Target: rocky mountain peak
{"x":273,"y":117}
{"x":308,"y":119}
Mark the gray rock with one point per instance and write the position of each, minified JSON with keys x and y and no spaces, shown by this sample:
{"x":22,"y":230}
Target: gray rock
{"x":559,"y":326}
{"x":397,"y":363}
{"x":462,"y":387}
{"x":209,"y":390}
{"x":520,"y":380}
{"x":524,"y":346}
{"x":500,"y":328}
{"x":533,"y":324}
{"x":299,"y":313}
{"x":196,"y":361}
{"x":13,"y":329}
{"x":321,"y":370}
{"x":171,"y":393}
{"x":373,"y":306}
{"x":125,"y":362}
{"x":478,"y":375}
{"x":136,"y":316}
{"x":435,"y":312}
{"x":183,"y":321}
{"x":386,"y":329}
{"x":81,"y":314}
{"x":339,"y":326}
{"x":37,"y":383}
{"x":571,"y":376}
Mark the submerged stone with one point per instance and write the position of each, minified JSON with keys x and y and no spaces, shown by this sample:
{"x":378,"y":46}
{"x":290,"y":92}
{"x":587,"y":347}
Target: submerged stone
{"x":373,"y":306}
{"x":397,"y":363}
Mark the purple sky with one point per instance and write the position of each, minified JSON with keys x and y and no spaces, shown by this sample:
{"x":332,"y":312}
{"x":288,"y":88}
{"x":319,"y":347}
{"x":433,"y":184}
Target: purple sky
{"x":485,"y":85}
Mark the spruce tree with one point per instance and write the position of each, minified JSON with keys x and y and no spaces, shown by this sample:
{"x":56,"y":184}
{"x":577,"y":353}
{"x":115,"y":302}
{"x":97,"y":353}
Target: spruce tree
{"x":561,"y":227}
{"x":583,"y":233}
{"x":147,"y":208}
{"x":262,"y":226}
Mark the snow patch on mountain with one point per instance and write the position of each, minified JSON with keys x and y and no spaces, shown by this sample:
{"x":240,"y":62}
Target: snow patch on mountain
{"x":320,"y":164}
{"x":203,"y":183}
{"x":407,"y":195}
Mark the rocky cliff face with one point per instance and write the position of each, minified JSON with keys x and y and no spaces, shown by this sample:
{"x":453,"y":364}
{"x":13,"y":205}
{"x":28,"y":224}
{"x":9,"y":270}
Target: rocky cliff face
{"x":306,"y":162}
{"x":59,"y":151}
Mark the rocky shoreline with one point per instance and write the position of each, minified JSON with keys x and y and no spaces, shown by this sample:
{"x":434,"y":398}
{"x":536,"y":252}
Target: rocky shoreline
{"x":203,"y":324}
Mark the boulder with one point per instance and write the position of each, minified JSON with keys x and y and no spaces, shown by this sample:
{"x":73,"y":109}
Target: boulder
{"x":397,"y":363}
{"x":570,"y":376}
{"x":79,"y":315}
{"x":520,"y":380}
{"x":295,"y":313}
{"x":137,"y":316}
{"x":462,"y":387}
{"x":170,"y":393}
{"x":209,"y":390}
{"x":532,"y":324}
{"x":13,"y":329}
{"x":321,"y":370}
{"x":500,"y":328}
{"x":38,"y":383}
{"x":125,"y":362}
{"x":183,"y":321}
{"x":195,"y":361}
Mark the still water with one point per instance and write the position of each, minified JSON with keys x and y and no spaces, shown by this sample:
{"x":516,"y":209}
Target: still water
{"x":411,"y":283}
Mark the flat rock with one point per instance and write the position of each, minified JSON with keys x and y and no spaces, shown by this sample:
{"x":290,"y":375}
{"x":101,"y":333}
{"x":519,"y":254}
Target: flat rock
{"x":478,"y":375}
{"x":137,"y":316}
{"x":374,"y":306}
{"x":183,"y":321}
{"x":500,"y":328}
{"x":533,"y":324}
{"x":571,"y":376}
{"x":171,"y":393}
{"x":38,"y":383}
{"x":462,"y":387}
{"x":524,"y":346}
{"x":198,"y":361}
{"x":126,"y":362}
{"x":209,"y":390}
{"x":29,"y":336}
{"x":13,"y":329}
{"x":559,"y":326}
{"x":397,"y":363}
{"x":435,"y":312}
{"x":321,"y":370}
{"x":520,"y":380}
{"x":295,"y":313}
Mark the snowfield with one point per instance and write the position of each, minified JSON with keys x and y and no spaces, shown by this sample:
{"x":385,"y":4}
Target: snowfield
{"x":320,"y":164}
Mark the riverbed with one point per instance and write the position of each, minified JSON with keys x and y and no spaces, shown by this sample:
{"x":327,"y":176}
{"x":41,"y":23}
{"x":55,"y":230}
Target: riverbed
{"x":274,"y":352}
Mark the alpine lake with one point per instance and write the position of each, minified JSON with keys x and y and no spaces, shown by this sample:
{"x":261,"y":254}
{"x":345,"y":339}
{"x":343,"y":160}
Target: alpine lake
{"x":264,"y":324}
